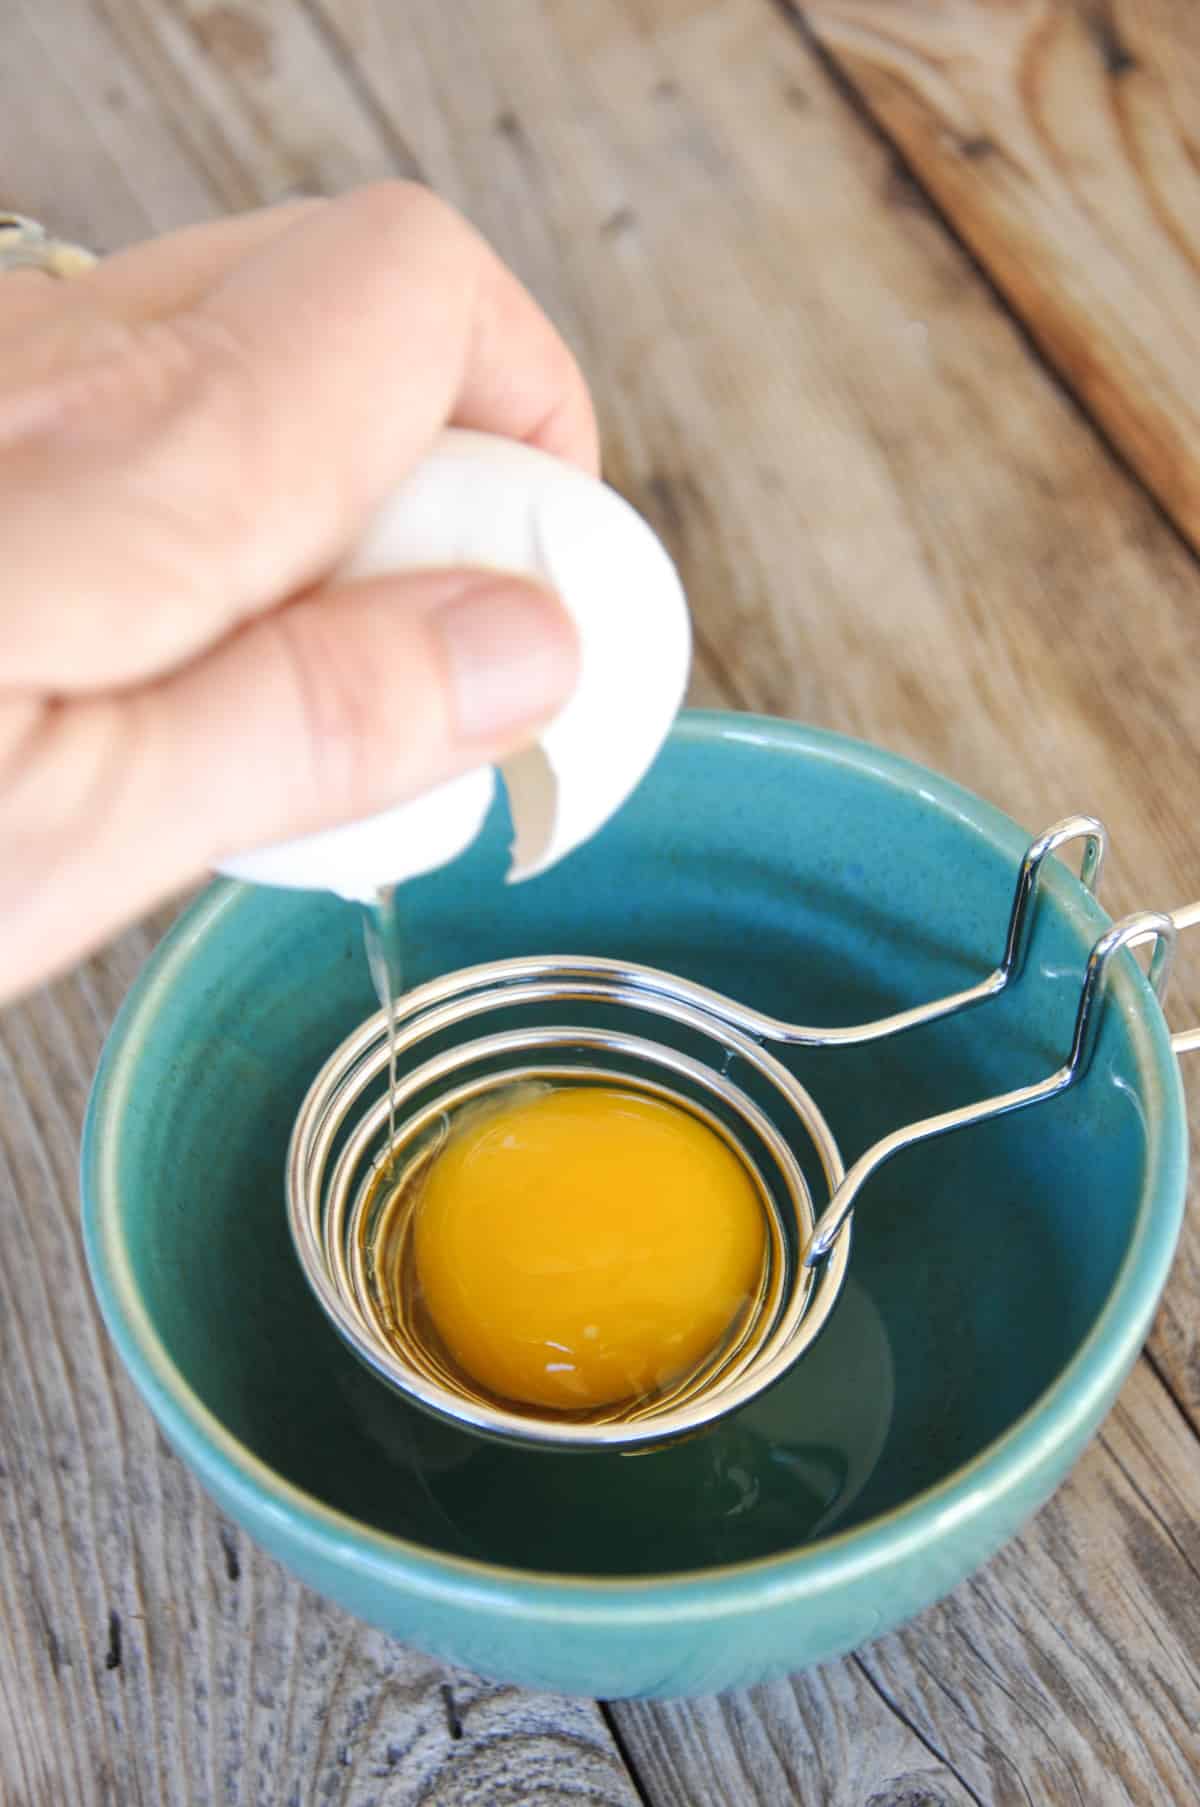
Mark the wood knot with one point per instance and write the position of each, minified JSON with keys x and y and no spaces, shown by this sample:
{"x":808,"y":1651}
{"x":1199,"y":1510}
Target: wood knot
{"x":899,"y":188}
{"x":675,"y":503}
{"x":507,"y":125}
{"x":909,"y":1791}
{"x":234,"y":40}
{"x":233,"y":1567}
{"x":453,"y":1722}
{"x":1113,"y":51}
{"x":620,"y":221}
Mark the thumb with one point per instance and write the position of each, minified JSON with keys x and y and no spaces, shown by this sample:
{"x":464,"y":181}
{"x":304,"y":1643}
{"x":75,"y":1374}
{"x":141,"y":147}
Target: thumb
{"x":344,"y":702}
{"x":359,"y":697}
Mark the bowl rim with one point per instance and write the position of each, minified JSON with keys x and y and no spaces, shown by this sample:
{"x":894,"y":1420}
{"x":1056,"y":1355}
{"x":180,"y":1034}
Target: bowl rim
{"x":1064,"y":1411}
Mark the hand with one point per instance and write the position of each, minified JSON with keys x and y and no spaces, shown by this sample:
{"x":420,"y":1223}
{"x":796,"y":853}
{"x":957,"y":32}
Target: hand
{"x":191,"y":436}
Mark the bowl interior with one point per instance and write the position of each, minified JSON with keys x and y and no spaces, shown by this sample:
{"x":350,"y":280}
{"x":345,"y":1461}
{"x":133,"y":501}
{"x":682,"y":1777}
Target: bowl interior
{"x":795,"y":872}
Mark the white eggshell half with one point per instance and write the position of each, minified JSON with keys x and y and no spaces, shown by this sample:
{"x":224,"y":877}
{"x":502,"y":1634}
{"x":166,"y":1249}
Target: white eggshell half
{"x":491,"y":503}
{"x":360,"y":858}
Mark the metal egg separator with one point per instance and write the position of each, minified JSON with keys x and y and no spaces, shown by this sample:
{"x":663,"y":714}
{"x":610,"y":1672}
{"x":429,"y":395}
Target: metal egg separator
{"x":342,"y":1214}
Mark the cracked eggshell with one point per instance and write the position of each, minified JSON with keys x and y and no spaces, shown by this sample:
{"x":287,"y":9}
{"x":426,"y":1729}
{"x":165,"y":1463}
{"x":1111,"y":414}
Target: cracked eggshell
{"x":491,"y":503}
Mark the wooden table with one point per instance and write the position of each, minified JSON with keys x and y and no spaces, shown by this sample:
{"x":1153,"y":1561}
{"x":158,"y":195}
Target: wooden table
{"x":892,"y":311}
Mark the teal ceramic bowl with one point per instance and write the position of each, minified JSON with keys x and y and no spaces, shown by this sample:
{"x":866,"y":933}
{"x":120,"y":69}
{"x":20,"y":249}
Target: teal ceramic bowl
{"x":1001,"y":1280}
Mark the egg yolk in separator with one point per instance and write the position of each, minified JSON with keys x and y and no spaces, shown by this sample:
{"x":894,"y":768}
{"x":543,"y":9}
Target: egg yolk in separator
{"x":576,"y":1247}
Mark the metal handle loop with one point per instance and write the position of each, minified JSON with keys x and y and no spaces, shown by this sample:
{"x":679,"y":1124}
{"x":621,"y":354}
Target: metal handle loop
{"x":1016,"y":942}
{"x":1186,"y":1041}
{"x":1016,"y":946}
{"x":1131,"y":932}
{"x":1073,"y":828}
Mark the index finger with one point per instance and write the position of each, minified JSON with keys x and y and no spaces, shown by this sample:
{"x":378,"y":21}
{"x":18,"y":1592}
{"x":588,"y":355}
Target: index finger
{"x":194,"y":471}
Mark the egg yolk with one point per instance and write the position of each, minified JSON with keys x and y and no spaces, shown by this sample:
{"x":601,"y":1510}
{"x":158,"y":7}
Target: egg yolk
{"x":579,"y":1247}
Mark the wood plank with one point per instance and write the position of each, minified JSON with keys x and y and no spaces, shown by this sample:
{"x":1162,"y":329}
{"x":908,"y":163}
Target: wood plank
{"x":148,"y":1653}
{"x":1063,"y":142}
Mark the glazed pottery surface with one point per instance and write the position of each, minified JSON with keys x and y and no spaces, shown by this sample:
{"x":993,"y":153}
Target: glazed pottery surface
{"x":1001,"y":1280}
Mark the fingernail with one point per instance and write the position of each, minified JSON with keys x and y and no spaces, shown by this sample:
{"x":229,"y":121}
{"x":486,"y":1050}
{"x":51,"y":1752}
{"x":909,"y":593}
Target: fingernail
{"x":511,"y":656}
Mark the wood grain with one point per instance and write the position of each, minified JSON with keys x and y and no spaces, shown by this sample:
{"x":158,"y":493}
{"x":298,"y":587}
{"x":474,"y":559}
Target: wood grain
{"x":1062,"y":140}
{"x":892,"y":521}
